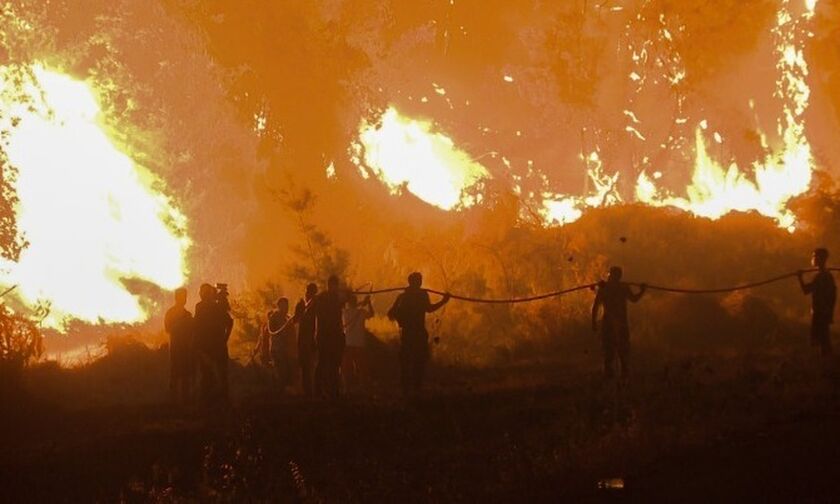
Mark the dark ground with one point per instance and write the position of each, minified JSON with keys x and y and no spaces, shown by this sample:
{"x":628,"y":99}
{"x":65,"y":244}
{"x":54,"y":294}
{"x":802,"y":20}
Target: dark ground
{"x":702,"y":429}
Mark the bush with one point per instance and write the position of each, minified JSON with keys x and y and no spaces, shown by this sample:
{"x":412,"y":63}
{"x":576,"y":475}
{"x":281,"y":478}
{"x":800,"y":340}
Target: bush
{"x":21,"y":344}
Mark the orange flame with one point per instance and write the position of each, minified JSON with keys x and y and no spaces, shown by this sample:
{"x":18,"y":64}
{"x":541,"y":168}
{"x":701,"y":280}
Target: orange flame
{"x":716,"y":190}
{"x":92,"y":217}
{"x":407,"y":153}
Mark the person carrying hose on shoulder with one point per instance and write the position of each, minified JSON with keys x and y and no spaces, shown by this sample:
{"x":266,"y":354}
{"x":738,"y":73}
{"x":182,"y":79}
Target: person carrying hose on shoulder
{"x":823,"y":294}
{"x":614,"y":328}
{"x":409,"y":311}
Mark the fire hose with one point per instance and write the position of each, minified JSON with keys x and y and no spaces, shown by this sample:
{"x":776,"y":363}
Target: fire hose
{"x":558,"y":293}
{"x":590,"y":286}
{"x":548,"y":295}
{"x":469,"y":299}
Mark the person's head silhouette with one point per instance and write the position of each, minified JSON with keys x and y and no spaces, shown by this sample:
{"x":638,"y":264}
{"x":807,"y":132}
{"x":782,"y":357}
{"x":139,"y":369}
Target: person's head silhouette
{"x":332,"y":283}
{"x":283,"y":305}
{"x":615,"y":274}
{"x":415,"y":280}
{"x":180,"y":296}
{"x":311,"y":290}
{"x":820,"y":257}
{"x":207,"y":292}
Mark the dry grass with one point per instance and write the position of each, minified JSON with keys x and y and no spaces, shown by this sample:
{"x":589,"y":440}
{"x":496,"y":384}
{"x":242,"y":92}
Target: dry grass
{"x":528,"y":429}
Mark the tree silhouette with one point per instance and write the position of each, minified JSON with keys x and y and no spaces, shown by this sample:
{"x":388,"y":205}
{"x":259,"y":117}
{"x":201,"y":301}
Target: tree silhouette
{"x":317,"y":257}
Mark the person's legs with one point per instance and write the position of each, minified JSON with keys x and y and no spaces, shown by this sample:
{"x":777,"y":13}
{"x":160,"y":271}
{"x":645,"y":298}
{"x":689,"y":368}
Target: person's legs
{"x":624,"y":351}
{"x":173,"y":379}
{"x":278,"y":370}
{"x":330,"y":353}
{"x":347,"y":368}
{"x":207,"y":376}
{"x":179,"y":380}
{"x":414,"y":353}
{"x":360,"y":366}
{"x":223,"y":385}
{"x":321,"y":371}
{"x":338,"y":356}
{"x":190,"y":379}
{"x":608,"y":345}
{"x":178,"y":375}
{"x":421,"y":361}
{"x":405,"y":363}
{"x":306,"y":368}
{"x":332,"y":364}
{"x":824,"y":331}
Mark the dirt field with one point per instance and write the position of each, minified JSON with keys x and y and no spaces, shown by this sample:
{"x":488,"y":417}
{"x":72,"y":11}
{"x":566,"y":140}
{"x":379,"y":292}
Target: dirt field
{"x":700,"y":429}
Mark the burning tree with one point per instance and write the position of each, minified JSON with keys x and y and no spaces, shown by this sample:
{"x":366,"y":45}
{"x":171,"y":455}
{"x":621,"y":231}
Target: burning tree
{"x":20,"y":339}
{"x":11,"y":243}
{"x":21,"y":344}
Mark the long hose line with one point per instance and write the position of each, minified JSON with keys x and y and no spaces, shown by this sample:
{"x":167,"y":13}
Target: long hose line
{"x":557,"y":293}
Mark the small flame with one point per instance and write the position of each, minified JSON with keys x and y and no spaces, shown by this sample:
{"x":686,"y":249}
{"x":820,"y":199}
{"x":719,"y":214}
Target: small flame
{"x":562,"y":209}
{"x":91,"y":216}
{"x":408,"y":153}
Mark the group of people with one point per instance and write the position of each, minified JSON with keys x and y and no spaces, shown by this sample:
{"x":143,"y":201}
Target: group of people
{"x":198,"y":346}
{"x":329,"y":345}
{"x":324,"y":339}
{"x":612,"y":297}
{"x":325,"y":336}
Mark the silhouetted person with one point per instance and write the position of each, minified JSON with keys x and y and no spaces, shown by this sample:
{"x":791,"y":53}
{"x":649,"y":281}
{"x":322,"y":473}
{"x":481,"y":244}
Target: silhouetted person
{"x":283,"y":343}
{"x":262,"y":351}
{"x":409,"y":311}
{"x":615,"y":328}
{"x":823,"y":298}
{"x":182,"y":359}
{"x":213,"y":325}
{"x":227,"y":329}
{"x":353,"y":366}
{"x":307,"y":352}
{"x":329,"y":336}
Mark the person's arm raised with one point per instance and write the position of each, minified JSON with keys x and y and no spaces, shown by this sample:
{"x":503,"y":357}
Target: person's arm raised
{"x":436,"y":306}
{"x":637,"y":296}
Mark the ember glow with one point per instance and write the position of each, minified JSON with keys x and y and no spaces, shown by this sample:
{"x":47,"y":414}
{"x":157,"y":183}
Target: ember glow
{"x":92,"y":218}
